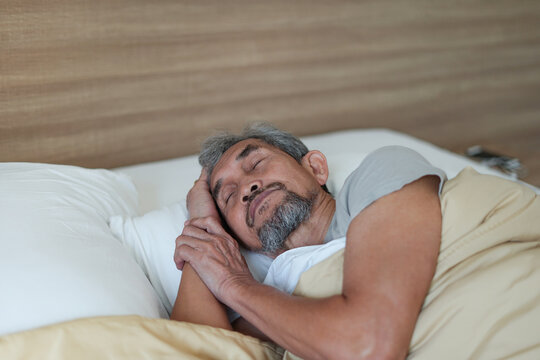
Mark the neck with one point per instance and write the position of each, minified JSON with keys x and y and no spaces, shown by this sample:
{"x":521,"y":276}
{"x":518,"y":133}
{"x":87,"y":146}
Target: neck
{"x":313,"y":231}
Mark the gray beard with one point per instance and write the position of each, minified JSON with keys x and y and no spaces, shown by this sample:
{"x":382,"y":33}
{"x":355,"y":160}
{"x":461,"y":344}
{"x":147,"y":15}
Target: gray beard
{"x":289,"y":214}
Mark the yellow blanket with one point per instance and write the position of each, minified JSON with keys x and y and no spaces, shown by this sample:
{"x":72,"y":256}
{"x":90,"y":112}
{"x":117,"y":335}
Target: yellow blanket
{"x":484,"y":300}
{"x":132,"y":337}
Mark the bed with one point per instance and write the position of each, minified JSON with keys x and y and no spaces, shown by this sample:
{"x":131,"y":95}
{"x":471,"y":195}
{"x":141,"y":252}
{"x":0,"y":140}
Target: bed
{"x":90,"y":252}
{"x":104,"y":104}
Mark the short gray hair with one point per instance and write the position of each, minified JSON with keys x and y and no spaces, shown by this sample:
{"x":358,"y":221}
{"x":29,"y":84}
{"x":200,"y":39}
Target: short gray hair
{"x":214,"y":147}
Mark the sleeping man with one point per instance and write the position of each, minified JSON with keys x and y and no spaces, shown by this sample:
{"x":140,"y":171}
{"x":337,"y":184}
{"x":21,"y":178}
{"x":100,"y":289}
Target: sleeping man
{"x":265,"y":191}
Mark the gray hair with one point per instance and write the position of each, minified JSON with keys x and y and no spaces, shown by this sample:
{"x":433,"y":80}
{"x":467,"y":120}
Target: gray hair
{"x":214,"y":147}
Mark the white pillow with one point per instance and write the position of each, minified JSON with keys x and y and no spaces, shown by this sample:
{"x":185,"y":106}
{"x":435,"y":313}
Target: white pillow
{"x":151,"y":240}
{"x":340,"y":166}
{"x":58,"y":258}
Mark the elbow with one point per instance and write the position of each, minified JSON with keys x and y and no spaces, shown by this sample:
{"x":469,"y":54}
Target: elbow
{"x":361,"y":335}
{"x":364,"y":345}
{"x":353,"y":351}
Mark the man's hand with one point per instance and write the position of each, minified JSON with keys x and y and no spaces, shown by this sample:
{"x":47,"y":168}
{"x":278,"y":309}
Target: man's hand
{"x":200,"y":203}
{"x":213,"y":254}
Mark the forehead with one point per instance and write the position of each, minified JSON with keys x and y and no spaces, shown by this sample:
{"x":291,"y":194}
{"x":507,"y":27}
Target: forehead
{"x":234,"y":154}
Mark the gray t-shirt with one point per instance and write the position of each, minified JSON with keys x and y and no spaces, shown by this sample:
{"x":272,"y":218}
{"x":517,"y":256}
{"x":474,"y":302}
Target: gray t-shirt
{"x":382,"y":172}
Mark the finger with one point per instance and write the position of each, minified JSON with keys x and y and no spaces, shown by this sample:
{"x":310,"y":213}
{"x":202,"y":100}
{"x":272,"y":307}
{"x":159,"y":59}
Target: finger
{"x":210,"y":224}
{"x":213,"y":226}
{"x":211,"y":246}
{"x":233,"y":247}
{"x":180,"y":264}
{"x":225,"y":245}
{"x":183,"y":254}
{"x":196,"y":232}
{"x":193,"y":242}
{"x":202,"y":180}
{"x":204,"y":175}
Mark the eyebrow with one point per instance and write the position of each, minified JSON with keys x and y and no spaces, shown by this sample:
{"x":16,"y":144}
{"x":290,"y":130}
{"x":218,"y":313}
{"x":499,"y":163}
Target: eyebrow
{"x":247,"y":150}
{"x":215,"y":191}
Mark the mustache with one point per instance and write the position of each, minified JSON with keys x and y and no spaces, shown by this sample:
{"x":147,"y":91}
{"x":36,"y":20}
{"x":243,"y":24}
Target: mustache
{"x":275,"y":185}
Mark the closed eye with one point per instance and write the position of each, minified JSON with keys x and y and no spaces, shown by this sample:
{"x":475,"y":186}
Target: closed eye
{"x":228,"y":197}
{"x":256,"y":163}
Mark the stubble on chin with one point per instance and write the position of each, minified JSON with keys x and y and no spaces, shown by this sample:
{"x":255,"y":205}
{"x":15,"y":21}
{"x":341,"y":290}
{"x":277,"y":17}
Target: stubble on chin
{"x":288,"y":215}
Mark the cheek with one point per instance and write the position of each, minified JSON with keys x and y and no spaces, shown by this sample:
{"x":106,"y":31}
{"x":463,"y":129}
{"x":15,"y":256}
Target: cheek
{"x":236,"y":220}
{"x":237,"y":223}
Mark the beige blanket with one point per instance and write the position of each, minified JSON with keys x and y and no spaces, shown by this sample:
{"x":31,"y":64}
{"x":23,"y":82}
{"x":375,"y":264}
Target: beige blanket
{"x":133,"y":337}
{"x":484,"y":301}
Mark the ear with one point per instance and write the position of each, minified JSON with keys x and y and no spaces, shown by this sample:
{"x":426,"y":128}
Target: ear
{"x":315,"y":163}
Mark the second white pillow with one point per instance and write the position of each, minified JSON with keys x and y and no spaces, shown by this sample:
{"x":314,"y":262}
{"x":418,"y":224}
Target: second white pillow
{"x":151,"y":240}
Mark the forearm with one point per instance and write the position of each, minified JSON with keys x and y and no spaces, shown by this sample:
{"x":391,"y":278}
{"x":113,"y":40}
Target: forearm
{"x":196,"y":304}
{"x":309,"y":328}
{"x":244,"y":327}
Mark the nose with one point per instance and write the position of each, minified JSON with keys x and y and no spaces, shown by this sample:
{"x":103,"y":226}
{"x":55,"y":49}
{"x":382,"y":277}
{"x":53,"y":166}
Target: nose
{"x":249,"y":189}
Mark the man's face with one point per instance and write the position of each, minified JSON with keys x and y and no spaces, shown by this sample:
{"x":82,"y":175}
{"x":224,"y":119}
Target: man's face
{"x":263,"y":194}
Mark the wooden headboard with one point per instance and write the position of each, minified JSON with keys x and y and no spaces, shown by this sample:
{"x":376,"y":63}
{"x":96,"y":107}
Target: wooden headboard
{"x":105,"y":83}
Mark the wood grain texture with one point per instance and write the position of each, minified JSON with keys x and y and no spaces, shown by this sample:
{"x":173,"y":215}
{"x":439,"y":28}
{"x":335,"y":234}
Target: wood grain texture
{"x":109,"y":83}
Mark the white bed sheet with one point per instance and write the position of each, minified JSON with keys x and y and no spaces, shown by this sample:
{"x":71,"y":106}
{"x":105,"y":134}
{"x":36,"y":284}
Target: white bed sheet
{"x":161,"y":183}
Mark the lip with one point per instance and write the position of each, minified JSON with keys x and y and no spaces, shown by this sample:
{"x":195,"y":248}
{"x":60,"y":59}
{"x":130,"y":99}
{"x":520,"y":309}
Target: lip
{"x":257,"y":202}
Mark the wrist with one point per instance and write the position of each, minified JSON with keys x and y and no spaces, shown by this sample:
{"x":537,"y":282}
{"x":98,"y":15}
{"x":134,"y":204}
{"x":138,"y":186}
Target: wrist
{"x":237,"y":288}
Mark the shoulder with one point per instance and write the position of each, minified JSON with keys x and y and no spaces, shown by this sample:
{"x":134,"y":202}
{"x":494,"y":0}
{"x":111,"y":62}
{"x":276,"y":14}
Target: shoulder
{"x":391,"y":167}
{"x":382,"y":172}
{"x":394,"y":157}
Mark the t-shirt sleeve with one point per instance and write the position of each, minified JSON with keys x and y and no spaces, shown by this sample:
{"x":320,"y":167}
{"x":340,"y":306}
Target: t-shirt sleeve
{"x":382,"y":172}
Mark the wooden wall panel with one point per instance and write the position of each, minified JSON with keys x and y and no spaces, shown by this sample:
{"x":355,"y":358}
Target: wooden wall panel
{"x":108,"y":83}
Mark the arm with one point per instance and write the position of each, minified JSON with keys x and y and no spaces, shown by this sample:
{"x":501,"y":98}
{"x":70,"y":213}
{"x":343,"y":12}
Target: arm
{"x":194,"y":302}
{"x":390,"y":259}
{"x":243,"y":326}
